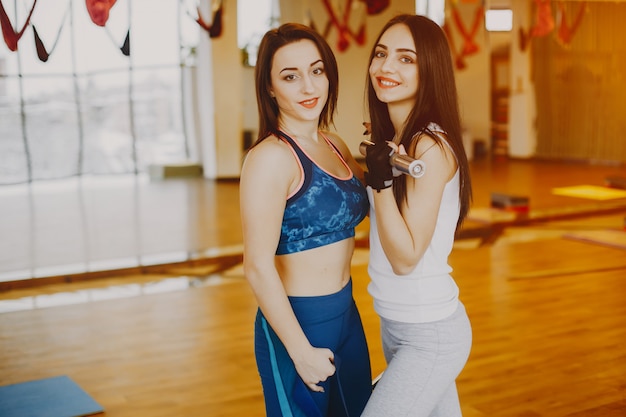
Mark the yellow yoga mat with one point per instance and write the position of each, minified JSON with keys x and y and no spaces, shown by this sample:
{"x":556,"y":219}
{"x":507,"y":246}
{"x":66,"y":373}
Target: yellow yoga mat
{"x":592,"y":192}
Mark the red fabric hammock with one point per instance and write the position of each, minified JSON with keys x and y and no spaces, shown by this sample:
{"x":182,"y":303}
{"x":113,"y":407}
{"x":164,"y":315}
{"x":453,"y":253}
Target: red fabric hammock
{"x":42,"y":52}
{"x":376,"y":6}
{"x":544,"y":22}
{"x":11,"y":37}
{"x":343,"y":42}
{"x":99,"y":10}
{"x":215,"y":28}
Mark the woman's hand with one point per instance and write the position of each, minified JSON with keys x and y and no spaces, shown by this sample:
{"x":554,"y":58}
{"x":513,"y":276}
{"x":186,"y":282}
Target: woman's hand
{"x":315,"y":366}
{"x":397,"y":149}
{"x":379,"y":174}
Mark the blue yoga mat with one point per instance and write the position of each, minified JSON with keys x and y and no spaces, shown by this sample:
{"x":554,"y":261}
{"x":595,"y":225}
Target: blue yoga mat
{"x":51,"y":397}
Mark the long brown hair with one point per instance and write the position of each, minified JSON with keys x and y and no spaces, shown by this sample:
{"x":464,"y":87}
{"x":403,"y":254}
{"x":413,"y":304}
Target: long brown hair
{"x":271,"y":42}
{"x":436,"y":101}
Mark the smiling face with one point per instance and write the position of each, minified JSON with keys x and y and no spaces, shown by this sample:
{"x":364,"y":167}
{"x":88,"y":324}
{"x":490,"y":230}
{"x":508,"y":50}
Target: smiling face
{"x":393,"y":70}
{"x":299,"y":82}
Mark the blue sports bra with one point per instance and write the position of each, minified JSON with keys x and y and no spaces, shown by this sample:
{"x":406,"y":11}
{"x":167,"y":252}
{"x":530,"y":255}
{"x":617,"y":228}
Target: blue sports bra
{"x":324,"y":210}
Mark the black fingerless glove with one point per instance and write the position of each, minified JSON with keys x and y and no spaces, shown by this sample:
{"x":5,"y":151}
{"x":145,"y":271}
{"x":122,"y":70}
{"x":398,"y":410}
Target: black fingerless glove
{"x":379,"y":174}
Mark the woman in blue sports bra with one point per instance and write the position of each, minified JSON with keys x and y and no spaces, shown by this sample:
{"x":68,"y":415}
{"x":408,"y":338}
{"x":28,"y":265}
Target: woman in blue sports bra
{"x":301,"y":196}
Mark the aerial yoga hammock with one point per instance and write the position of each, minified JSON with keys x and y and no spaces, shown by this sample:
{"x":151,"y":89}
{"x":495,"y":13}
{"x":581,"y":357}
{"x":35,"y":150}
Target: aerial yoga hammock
{"x":99,"y":10}
{"x":214,"y":29}
{"x":99,"y":13}
{"x":42,"y":52}
{"x":11,"y":37}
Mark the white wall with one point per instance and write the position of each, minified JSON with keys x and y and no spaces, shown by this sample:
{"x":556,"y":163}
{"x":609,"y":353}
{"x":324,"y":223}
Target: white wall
{"x":219,"y":98}
{"x":522,"y":109}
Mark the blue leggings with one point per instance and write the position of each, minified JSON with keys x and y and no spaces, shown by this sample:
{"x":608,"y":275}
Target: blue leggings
{"x":330,"y":321}
{"x":423,"y":362}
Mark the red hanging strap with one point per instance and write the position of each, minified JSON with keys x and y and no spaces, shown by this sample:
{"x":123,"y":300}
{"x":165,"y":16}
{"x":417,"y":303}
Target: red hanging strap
{"x":566,"y":32}
{"x":469,"y":45}
{"x":216,"y":24}
{"x":11,"y":37}
{"x":459,"y":62}
{"x":360,"y":35}
{"x":342,"y":42}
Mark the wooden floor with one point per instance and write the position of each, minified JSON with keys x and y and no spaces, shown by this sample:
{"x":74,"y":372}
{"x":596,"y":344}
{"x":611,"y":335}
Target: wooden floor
{"x":546,"y":294}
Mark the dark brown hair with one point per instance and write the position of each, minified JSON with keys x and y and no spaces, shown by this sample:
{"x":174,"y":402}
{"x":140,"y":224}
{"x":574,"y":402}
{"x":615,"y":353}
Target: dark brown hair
{"x":436,"y":101}
{"x":271,"y":42}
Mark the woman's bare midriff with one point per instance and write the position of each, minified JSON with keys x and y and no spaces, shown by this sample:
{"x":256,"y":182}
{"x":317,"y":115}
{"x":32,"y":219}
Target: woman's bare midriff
{"x":319,"y":271}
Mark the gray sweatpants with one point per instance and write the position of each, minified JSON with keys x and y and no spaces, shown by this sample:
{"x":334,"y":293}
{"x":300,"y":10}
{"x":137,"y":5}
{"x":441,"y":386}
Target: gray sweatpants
{"x":423,"y":362}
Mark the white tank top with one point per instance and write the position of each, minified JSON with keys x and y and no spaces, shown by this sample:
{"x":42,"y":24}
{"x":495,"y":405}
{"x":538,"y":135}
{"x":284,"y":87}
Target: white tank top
{"x":428,"y":293}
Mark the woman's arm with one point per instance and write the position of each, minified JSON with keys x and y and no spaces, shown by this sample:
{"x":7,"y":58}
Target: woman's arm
{"x":406,"y":233}
{"x":268,"y":175}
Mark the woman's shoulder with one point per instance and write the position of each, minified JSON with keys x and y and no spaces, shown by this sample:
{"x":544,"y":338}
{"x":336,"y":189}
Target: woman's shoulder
{"x":433,"y":136}
{"x":271,"y":153}
{"x":270,"y":147}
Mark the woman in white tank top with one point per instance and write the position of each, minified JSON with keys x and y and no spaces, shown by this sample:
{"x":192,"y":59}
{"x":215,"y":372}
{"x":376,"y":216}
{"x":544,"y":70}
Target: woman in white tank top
{"x":413,"y":109}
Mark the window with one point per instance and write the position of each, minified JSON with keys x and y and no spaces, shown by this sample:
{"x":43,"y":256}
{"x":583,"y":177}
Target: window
{"x":254,"y":18}
{"x":499,"y":20}
{"x":433,"y":9}
{"x":91,"y":108}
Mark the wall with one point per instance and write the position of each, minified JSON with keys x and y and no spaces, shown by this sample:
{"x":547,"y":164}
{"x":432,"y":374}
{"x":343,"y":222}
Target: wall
{"x":581,"y":84}
{"x":472,"y":82}
{"x":522,"y":111}
{"x":220,"y":123}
